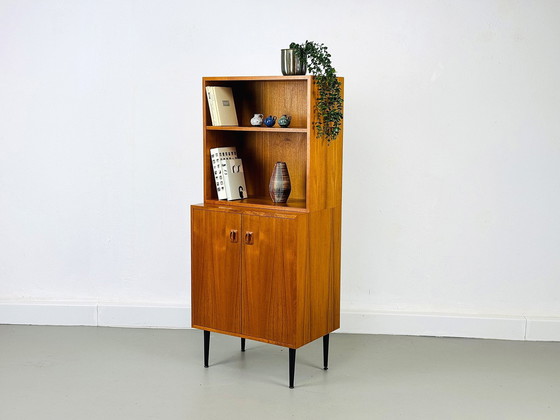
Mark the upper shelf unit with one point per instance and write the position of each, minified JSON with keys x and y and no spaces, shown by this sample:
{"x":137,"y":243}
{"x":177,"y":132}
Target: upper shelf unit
{"x":315,"y":168}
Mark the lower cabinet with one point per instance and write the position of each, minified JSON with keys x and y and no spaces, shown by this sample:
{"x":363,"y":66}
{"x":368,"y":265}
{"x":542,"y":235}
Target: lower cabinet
{"x":245,"y":273}
{"x":266,"y":276}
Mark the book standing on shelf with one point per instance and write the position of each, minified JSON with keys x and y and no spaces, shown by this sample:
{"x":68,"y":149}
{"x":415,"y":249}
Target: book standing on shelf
{"x":234,"y":180}
{"x":222,"y":106}
{"x":219,"y":156}
{"x":211,"y":105}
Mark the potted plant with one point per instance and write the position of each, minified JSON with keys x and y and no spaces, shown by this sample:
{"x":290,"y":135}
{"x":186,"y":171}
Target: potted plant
{"x":330,"y":102}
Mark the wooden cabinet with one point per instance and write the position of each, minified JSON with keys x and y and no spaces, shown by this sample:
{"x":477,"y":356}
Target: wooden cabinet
{"x":261,"y":270}
{"x":255,"y":293}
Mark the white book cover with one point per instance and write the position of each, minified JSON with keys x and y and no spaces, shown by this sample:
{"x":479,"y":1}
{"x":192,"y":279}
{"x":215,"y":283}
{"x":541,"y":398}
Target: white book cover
{"x":223,"y":104}
{"x":234,"y":178}
{"x":218,"y":157}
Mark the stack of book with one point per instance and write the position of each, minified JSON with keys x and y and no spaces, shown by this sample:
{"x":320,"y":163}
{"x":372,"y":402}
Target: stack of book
{"x":228,"y":173}
{"x":222,"y":106}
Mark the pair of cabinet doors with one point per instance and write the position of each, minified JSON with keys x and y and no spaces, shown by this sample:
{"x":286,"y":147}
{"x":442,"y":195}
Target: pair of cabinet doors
{"x":245,"y":270}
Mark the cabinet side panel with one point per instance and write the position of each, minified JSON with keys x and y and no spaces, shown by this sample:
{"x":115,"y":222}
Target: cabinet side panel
{"x":334,"y":162}
{"x":303,"y":324}
{"x":335,"y":285}
{"x":325,"y":166}
{"x":215,"y":270}
{"x":324,"y":272}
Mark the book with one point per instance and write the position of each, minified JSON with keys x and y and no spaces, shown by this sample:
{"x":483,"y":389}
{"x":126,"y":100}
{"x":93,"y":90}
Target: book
{"x":222,"y":106}
{"x":234,"y":180}
{"x":218,"y":157}
{"x":211,"y":105}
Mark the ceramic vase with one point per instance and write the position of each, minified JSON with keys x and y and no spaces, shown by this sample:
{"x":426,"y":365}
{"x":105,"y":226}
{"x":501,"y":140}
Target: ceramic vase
{"x":284,"y":121}
{"x":270,"y":121}
{"x":280,"y":185}
{"x":257,"y":120}
{"x":291,"y":64}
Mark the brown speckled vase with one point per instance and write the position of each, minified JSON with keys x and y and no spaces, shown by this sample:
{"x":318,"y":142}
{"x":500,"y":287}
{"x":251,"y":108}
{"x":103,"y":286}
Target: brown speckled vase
{"x":280,"y":186}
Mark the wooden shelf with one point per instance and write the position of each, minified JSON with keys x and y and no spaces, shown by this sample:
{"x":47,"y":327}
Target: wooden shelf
{"x":262,"y":129}
{"x":262,"y":203}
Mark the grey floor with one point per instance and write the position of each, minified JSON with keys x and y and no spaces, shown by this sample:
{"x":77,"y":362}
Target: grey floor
{"x":114,"y":373}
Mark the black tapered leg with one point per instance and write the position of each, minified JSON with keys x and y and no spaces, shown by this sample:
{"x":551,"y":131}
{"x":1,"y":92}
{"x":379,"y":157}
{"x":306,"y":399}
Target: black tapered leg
{"x":326,"y":352}
{"x":206,"y":347}
{"x":292,"y":366}
{"x":242,"y":344}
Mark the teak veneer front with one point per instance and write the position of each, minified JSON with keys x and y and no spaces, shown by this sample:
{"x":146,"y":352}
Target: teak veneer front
{"x":282,"y":288}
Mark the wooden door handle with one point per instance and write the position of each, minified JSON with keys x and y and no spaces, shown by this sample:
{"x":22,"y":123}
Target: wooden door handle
{"x":249,"y":238}
{"x":233,"y":236}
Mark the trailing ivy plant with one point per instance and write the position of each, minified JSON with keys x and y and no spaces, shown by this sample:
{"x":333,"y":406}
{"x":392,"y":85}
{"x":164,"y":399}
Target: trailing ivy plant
{"x":330,"y":102}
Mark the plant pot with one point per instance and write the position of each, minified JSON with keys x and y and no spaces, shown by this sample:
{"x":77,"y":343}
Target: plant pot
{"x":280,"y":185}
{"x":291,"y":64}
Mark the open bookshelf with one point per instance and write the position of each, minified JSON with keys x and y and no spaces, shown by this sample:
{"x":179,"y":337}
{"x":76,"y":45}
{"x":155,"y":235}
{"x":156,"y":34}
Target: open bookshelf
{"x":261,"y":147}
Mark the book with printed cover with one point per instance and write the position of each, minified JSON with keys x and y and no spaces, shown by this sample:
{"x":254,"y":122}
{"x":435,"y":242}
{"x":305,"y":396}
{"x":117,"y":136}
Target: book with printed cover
{"x":222,"y":106}
{"x":219,"y":156}
{"x":234,"y":180}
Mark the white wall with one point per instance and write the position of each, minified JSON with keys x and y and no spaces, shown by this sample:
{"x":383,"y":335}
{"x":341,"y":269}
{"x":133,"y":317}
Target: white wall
{"x":452,"y":151}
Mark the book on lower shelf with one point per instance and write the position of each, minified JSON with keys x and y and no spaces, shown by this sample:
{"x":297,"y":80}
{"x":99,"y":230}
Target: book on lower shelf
{"x":234,"y":180}
{"x":222,"y":106}
{"x":219,"y":156}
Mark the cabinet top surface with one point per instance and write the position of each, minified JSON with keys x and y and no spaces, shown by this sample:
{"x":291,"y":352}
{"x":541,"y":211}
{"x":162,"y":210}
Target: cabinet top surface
{"x":261,"y":211}
{"x":258,"y":78}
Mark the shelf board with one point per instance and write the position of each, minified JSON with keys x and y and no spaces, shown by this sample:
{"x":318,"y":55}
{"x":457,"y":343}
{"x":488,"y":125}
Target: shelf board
{"x":263,"y":129}
{"x":263,"y":203}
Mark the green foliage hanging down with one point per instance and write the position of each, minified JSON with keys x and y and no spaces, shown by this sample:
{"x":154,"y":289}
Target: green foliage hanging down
{"x":330,"y":102}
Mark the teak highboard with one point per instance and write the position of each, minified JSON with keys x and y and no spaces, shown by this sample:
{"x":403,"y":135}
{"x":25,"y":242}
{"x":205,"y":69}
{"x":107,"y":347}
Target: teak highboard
{"x":261,"y":270}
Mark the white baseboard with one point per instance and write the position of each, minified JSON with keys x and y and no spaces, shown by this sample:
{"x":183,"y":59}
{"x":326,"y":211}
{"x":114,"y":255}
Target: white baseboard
{"x":137,"y":316}
{"x":48,"y":313}
{"x":543,"y":329}
{"x":438,"y":325}
{"x":95,"y":314}
{"x":392,"y":323}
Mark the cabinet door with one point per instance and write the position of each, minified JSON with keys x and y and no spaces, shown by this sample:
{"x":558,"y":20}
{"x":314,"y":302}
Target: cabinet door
{"x":270,"y":273}
{"x":216,"y":269}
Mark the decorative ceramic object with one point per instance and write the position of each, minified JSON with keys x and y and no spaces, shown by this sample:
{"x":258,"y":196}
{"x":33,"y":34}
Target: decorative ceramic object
{"x":291,"y":63}
{"x":284,"y":121}
{"x":257,"y":120}
{"x":280,"y":185}
{"x":270,"y":121}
